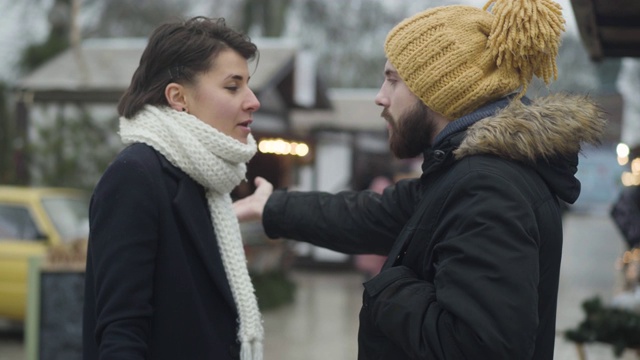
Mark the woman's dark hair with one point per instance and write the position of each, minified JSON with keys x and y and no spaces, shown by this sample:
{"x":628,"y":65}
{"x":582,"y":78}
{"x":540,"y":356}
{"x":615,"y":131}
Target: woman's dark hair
{"x":177,"y":52}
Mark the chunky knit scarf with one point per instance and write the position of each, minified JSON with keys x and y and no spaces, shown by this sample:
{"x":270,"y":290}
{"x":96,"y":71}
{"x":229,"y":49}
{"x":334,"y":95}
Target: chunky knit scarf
{"x":217,"y":162}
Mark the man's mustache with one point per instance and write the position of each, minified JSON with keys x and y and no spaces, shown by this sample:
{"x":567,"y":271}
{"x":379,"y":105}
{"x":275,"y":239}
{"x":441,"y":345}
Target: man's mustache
{"x":385,"y":115}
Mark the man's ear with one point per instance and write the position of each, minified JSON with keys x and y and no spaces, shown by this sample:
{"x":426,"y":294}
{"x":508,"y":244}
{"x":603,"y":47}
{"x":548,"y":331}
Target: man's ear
{"x":176,"y":96}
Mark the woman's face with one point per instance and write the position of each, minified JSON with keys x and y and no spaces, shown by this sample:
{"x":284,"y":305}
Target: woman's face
{"x":221,"y":97}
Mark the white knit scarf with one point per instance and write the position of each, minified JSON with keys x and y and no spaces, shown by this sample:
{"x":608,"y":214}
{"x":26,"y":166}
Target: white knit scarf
{"x":217,"y":162}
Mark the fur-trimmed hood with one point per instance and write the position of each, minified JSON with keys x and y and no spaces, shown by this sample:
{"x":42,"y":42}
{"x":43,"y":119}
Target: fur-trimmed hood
{"x":551,"y":126}
{"x":546,"y":133}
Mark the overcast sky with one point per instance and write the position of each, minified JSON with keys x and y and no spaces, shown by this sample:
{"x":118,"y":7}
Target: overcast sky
{"x":22,"y":24}
{"x":17,"y":28}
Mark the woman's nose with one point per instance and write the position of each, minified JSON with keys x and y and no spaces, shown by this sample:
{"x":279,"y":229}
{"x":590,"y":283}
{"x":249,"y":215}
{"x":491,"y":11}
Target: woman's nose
{"x":252,"y":104}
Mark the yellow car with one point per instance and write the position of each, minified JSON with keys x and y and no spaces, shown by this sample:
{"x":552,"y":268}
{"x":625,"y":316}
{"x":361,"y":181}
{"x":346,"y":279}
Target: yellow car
{"x":33,"y":220}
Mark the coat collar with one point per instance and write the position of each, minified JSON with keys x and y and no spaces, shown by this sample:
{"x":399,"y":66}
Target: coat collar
{"x":546,"y":133}
{"x":449,"y":139}
{"x":192,"y":210}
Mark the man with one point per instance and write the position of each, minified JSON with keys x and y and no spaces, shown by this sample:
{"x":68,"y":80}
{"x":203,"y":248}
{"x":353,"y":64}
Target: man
{"x":474,"y":245}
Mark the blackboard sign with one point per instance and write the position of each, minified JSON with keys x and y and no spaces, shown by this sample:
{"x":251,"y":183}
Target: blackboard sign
{"x":61,"y":298}
{"x":54,"y":313}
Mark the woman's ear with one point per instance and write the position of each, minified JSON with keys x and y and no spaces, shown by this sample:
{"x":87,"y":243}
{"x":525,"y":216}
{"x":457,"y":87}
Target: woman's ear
{"x":176,"y":96}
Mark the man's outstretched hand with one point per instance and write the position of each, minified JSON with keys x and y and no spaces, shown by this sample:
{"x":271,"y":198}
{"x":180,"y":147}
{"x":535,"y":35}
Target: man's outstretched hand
{"x":250,"y":208}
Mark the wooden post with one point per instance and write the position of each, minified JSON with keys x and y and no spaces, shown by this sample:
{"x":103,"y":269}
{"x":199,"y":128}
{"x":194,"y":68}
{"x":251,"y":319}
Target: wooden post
{"x":581,"y":353}
{"x":21,"y":141}
{"x":32,"y":323}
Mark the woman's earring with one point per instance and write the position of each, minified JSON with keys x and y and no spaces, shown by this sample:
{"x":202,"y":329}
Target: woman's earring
{"x":184,"y":109}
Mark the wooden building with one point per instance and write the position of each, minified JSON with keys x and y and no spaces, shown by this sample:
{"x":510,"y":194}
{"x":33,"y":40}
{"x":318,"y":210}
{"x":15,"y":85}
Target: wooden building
{"x":99,"y":70}
{"x":609,"y":28}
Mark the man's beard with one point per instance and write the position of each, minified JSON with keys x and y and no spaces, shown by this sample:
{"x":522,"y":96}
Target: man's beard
{"x":411,"y":133}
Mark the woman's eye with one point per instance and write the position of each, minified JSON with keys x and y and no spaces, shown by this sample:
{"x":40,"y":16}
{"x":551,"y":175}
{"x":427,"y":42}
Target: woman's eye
{"x":232,"y":88}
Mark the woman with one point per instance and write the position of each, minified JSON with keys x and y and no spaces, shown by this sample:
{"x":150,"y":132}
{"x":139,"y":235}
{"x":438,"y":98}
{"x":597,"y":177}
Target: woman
{"x":166,"y":272}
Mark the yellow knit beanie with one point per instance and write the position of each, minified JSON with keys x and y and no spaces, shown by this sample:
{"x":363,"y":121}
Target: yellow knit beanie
{"x":457,"y":58}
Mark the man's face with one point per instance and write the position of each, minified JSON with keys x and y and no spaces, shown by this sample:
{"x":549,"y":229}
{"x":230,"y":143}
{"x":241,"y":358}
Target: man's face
{"x":410,"y":123}
{"x":411,"y":133}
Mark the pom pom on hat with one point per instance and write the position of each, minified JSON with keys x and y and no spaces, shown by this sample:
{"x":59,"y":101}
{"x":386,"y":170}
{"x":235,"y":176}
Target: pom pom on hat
{"x":525,"y":35}
{"x":457,"y":58}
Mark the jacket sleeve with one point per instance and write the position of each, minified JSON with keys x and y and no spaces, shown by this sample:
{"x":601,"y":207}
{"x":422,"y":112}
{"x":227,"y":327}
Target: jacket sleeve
{"x":483,"y":295}
{"x":352,"y":222}
{"x":123,"y":241}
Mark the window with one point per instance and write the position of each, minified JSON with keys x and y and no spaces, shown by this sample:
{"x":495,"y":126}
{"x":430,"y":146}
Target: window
{"x":69,"y":215}
{"x":16,"y":223}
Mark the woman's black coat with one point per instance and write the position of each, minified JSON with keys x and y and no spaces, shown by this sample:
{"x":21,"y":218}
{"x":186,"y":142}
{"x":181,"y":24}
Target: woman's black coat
{"x":155,"y":284}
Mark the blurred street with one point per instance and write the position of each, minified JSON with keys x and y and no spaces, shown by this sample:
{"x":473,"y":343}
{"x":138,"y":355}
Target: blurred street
{"x":323,"y":322}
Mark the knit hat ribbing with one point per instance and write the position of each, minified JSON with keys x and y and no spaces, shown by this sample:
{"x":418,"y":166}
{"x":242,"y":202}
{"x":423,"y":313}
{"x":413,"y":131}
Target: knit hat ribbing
{"x":457,"y":58}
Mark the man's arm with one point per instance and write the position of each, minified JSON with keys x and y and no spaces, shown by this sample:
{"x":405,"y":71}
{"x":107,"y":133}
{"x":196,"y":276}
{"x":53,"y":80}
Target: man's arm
{"x":352,"y":222}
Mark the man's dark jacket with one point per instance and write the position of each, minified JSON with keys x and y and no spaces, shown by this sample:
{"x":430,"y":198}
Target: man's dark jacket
{"x":474,"y":244}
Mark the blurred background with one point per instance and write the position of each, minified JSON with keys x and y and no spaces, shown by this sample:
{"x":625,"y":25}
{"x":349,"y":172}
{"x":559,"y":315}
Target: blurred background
{"x":65,"y":63}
